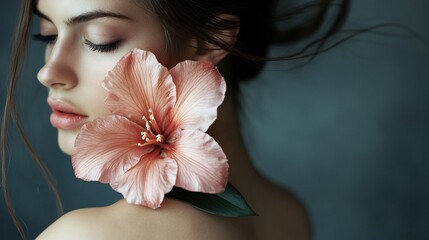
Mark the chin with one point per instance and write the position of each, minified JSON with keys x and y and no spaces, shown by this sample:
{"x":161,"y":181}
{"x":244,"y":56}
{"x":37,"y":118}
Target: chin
{"x":66,"y":139}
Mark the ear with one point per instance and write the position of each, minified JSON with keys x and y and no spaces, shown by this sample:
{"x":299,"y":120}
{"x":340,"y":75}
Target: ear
{"x":201,"y":50}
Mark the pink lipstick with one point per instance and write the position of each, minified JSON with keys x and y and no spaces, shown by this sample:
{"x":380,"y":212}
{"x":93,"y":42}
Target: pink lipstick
{"x":64,"y":116}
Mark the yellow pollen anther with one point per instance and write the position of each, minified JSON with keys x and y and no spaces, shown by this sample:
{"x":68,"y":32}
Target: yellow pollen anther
{"x":144,"y":135}
{"x":159,"y":138}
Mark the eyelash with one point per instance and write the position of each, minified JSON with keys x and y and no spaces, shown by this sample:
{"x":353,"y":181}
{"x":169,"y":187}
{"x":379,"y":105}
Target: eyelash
{"x":102,"y":48}
{"x":47,"y":39}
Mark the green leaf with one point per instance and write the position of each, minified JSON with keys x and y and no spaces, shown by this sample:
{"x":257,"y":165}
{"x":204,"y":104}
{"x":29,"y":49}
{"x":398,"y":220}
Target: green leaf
{"x":230,"y":203}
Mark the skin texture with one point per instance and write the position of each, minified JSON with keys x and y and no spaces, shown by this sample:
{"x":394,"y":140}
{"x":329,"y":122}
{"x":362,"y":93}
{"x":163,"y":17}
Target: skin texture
{"x":73,"y":73}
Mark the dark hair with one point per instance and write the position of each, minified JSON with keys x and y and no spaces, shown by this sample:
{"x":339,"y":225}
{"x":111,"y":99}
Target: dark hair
{"x":200,"y":20}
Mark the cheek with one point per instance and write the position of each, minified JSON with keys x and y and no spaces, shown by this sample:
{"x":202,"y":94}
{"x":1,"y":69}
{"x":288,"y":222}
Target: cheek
{"x":92,"y":94}
{"x":48,"y":51}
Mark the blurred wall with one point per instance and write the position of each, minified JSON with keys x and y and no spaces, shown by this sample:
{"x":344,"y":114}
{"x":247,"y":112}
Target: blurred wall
{"x":347,"y":132}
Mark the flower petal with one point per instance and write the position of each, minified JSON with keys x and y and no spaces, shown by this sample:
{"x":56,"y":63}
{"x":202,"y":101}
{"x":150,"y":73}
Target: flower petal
{"x":107,"y":147}
{"x":202,"y":165}
{"x":138,"y":83}
{"x":148,"y":181}
{"x":200,"y":90}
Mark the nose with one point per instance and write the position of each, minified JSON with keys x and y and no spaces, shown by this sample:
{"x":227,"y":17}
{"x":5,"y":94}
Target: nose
{"x":58,"y":71}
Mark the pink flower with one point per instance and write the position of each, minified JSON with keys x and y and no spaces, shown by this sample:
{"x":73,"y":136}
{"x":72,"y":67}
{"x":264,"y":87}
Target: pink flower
{"x":156,"y":137}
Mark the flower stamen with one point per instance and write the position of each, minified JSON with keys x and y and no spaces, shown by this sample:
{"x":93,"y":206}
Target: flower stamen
{"x":148,"y":136}
{"x":159,"y":138}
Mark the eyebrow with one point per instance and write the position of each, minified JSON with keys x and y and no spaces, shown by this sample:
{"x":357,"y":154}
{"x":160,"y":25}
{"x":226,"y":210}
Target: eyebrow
{"x":84,"y":17}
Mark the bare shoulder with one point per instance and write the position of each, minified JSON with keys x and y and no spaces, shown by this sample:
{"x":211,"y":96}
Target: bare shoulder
{"x":174,"y":220}
{"x":78,"y":224}
{"x":178,"y":220}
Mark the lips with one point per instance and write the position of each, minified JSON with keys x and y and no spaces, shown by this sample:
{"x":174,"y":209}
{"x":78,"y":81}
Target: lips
{"x":65,"y":116}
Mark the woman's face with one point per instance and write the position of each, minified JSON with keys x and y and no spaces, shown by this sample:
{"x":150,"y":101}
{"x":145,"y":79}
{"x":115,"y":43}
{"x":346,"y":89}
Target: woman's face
{"x":85,"y":40}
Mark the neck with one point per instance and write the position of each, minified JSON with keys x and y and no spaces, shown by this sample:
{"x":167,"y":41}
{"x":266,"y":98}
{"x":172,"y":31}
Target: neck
{"x":226,"y":131}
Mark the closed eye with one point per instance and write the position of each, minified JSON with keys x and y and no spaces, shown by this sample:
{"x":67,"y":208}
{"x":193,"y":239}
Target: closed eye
{"x":104,"y":48}
{"x":47,"y":39}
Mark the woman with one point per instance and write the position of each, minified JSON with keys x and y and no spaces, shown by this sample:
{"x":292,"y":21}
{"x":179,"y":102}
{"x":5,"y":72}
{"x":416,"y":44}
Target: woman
{"x":86,"y":40}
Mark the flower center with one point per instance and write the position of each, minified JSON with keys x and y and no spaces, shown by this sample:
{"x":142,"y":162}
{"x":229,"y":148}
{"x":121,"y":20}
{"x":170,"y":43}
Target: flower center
{"x":148,"y":136}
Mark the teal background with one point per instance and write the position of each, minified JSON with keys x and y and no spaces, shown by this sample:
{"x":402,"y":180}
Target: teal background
{"x":347,"y":133}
